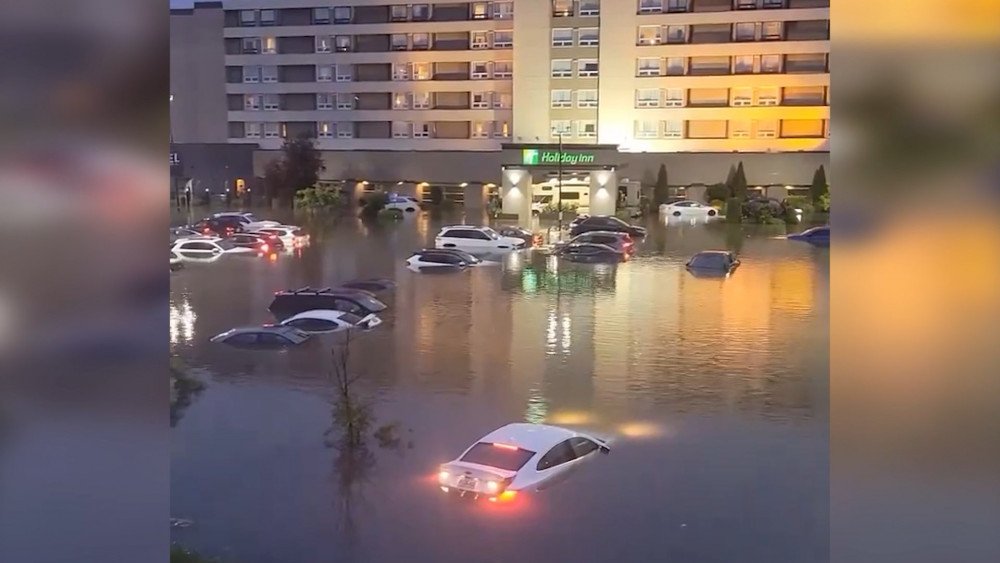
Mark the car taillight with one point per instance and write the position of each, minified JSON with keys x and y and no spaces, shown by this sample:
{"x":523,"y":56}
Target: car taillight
{"x":264,"y":247}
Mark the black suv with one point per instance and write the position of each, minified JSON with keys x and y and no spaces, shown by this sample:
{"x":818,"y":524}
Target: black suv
{"x":294,"y":301}
{"x":606,"y":223}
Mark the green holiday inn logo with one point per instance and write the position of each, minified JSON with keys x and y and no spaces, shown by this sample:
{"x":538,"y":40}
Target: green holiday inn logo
{"x":534,"y":157}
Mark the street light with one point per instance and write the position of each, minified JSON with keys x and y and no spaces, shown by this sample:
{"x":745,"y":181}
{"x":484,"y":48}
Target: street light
{"x":559,"y":181}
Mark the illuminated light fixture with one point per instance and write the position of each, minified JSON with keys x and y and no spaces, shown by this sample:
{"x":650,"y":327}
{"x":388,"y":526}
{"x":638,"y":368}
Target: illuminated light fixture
{"x":443,"y":488}
{"x":464,"y":184}
{"x":364,"y":182}
{"x":492,"y":486}
{"x":505,"y":446}
{"x":506,"y":496}
{"x":399,"y":183}
{"x":443,"y":475}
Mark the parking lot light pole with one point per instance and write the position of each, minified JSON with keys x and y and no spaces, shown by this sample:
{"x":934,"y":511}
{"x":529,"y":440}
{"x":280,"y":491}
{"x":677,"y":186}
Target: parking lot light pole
{"x":559,"y":180}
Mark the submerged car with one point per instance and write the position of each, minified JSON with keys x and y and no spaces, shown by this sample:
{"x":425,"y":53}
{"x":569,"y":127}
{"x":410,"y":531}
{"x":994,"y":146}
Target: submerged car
{"x":590,"y":253}
{"x":529,"y":238}
{"x":322,"y":321}
{"x":621,"y":242}
{"x":267,"y":336}
{"x":720,"y":262}
{"x":248,"y":220}
{"x":439,"y":260}
{"x":254,"y":241}
{"x":206,"y":246}
{"x":293,"y":301}
{"x":176,"y":262}
{"x":688,"y":208}
{"x":517,"y":457}
{"x":374,"y":285}
{"x":403,"y":203}
{"x":470,"y":237}
{"x":818,"y":236}
{"x":605,"y":223}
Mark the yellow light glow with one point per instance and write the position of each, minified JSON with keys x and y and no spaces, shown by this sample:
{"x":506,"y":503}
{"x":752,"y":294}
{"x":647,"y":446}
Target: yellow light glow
{"x":571,"y":417}
{"x":640,"y":429}
{"x":443,"y":475}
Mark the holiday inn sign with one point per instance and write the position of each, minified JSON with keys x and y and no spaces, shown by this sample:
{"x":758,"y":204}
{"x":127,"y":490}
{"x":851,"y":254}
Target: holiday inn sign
{"x":538,"y":157}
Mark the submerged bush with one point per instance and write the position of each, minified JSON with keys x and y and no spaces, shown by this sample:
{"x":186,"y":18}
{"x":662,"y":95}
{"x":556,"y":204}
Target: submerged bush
{"x":373,"y":202}
{"x":321,"y":197}
{"x":717,"y":192}
{"x":734,"y":210}
{"x":390,"y":214}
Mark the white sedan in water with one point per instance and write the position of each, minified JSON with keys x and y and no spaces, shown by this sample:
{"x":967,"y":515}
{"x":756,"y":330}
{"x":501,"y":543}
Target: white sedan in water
{"x":517,"y":457}
{"x":476,"y":239}
{"x":688,"y":208}
{"x":322,"y":321}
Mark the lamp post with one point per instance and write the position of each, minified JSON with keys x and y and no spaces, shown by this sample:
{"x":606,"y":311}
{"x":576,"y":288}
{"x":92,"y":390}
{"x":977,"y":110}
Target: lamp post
{"x":559,"y":181}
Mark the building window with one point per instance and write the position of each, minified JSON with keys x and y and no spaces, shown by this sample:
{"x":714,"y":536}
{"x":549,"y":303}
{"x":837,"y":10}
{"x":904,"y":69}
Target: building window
{"x":480,"y":70}
{"x":707,"y":129}
{"x":590,"y":7}
{"x":503,"y":10}
{"x":269,"y":46}
{"x":421,"y":100}
{"x":562,"y":8}
{"x":421,"y":12}
{"x":272,"y":130}
{"x":248,"y":18}
{"x":746,"y":4}
{"x":562,"y":68}
{"x":743,"y":64}
{"x":649,"y":35}
{"x":771,"y":31}
{"x":648,"y":67}
{"x":401,"y":100}
{"x":770,"y":63}
{"x":503,"y":100}
{"x":421,"y":41}
{"x":774,"y":3}
{"x":325,"y":130}
{"x":398,"y":13}
{"x":342,"y":43}
{"x":251,"y":74}
{"x":739,"y":129}
{"x":677,"y":5}
{"x":501,"y":129}
{"x":677,"y":33}
{"x":767,"y":128}
{"x":586,"y":98}
{"x":324,"y":73}
{"x":421,"y":71}
{"x":345,"y":130}
{"x":342,"y":14}
{"x":709,"y":66}
{"x":345,"y":73}
{"x":480,"y":40}
{"x":805,"y":62}
{"x":503,"y":39}
{"x":345,"y":101}
{"x":588,"y":36}
{"x":562,"y":98}
{"x":480,"y":130}
{"x":421,"y":130}
{"x":586,"y":128}
{"x":586,"y":67}
{"x":251,"y":102}
{"x":324,"y":44}
{"x":399,"y":42}
{"x":269,"y":74}
{"x":673,"y":129}
{"x":321,"y":15}
{"x":676,"y":66}
{"x":324,"y":101}
{"x":251,"y":45}
{"x":479,"y":10}
{"x":708,"y":97}
{"x":400,"y":71}
{"x":562,"y":37}
{"x":267,"y":17}
{"x":801,"y":128}
{"x":271,"y":102}
{"x":767,"y":96}
{"x":647,"y":129}
{"x":673,"y":97}
{"x":563,"y":127}
{"x":401,"y":129}
{"x":503,"y":69}
{"x":647,"y":98}
{"x":745,"y":31}
{"x":251,"y":130}
{"x":742,"y":97}
{"x":480,"y":100}
{"x":650,"y":6}
{"x":803,"y":96}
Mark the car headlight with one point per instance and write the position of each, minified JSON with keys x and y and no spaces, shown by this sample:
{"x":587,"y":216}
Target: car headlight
{"x":443,"y":476}
{"x":492,"y":486}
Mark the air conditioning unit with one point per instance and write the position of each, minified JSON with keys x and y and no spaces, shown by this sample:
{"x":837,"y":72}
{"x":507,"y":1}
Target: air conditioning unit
{"x":401,"y":76}
{"x":587,"y":104}
{"x":646,"y":135}
{"x":421,"y":134}
{"x":738,"y":102}
{"x":562,"y":74}
{"x":322,"y":49}
{"x":400,"y":135}
{"x":589,"y":42}
{"x":251,"y":79}
{"x":270,"y":107}
{"x":482,"y":74}
{"x":590,"y":11}
{"x":587,"y":73}
{"x":562,"y":104}
{"x":767,"y":101}
{"x":345,"y":105}
{"x":673,"y":103}
{"x":270,"y":79}
{"x":587,"y":134}
{"x":345,"y":134}
{"x":343,"y":78}
{"x":650,"y":9}
{"x":503,"y":74}
{"x":647,"y":104}
{"x":562,"y":42}
{"x":480,"y":46}
{"x":480,"y":105}
{"x":324,"y":106}
{"x":649,"y":72}
{"x":673,"y":135}
{"x":502,"y":44}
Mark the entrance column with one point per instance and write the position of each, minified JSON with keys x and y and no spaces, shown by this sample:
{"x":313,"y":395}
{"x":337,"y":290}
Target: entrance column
{"x":515,"y":194}
{"x":603,"y":192}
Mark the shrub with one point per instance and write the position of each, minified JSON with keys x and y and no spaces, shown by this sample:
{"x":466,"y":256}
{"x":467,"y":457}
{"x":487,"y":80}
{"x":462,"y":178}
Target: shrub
{"x":373,"y":202}
{"x":800,"y":202}
{"x":824,"y":203}
{"x":718,"y":204}
{"x":320,"y":197}
{"x":719,"y":192}
{"x":734,"y":210}
{"x":819,"y":185}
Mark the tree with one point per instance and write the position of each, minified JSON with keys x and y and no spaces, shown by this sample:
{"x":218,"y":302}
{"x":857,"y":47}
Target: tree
{"x":297,"y":169}
{"x":819,"y":187}
{"x":730,"y":177}
{"x":274,"y":179}
{"x":351,"y":413}
{"x":660,"y":192}
{"x":738,"y":185}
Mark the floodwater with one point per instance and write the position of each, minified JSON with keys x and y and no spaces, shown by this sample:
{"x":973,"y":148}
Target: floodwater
{"x":713,"y":393}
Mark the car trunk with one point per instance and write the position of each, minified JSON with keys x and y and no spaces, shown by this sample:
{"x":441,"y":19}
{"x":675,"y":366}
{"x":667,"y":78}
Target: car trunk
{"x":473,"y":477}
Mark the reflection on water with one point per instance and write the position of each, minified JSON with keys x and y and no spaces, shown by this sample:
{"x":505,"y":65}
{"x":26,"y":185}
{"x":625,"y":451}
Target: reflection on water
{"x":713,"y":390}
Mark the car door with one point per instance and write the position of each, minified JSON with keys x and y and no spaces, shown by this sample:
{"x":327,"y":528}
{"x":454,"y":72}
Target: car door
{"x":552,"y":466}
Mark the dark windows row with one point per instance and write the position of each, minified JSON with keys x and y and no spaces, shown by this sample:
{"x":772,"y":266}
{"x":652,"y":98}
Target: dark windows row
{"x":794,"y":63}
{"x":464,"y":100}
{"x":680,"y":6}
{"x":460,"y":11}
{"x":371,"y":72}
{"x":371,"y":43}
{"x":804,"y":30}
{"x":371,"y":129}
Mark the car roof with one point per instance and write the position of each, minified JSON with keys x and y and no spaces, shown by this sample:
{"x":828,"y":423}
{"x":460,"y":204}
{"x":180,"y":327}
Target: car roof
{"x":618,"y":234}
{"x":533,"y":437}
{"x":325,"y":314}
{"x":468,"y":227}
{"x":335,"y":291}
{"x":712,"y":252}
{"x":276,"y":329}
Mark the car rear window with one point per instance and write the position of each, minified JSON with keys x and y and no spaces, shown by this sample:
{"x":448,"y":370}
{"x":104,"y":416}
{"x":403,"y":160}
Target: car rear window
{"x":509,"y":458}
{"x":710,"y":261}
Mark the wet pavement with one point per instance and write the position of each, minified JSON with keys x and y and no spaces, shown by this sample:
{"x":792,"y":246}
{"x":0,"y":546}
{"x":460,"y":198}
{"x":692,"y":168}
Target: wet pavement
{"x":713,"y":393}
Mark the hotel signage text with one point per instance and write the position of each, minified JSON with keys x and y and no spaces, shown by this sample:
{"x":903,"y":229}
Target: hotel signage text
{"x":536,"y":157}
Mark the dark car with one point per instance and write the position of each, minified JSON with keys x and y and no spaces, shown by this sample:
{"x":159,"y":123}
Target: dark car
{"x":621,"y":242}
{"x":258,"y":242}
{"x":265,"y":337}
{"x":374,"y":285}
{"x":714,"y":262}
{"x":606,"y":223}
{"x":818,"y":236}
{"x":294,"y":301}
{"x":529,"y":238}
{"x":754,"y":206}
{"x":221,"y":226}
{"x":591,"y":253}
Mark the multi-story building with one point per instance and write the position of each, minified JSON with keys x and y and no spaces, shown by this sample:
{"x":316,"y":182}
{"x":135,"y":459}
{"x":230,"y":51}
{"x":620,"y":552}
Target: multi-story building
{"x":636,"y":81}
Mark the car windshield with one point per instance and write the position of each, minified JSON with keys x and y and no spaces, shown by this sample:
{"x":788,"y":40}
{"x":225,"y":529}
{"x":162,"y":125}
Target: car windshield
{"x":226,"y":244}
{"x":490,"y":233}
{"x":710,"y":261}
{"x":509,"y":458}
{"x":294,"y":334}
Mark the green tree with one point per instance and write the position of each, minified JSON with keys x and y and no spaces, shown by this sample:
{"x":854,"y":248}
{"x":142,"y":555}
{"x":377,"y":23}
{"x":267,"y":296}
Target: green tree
{"x":274,"y":179}
{"x":818,"y":186}
{"x":660,"y":192}
{"x":738,"y":185}
{"x":297,"y":169}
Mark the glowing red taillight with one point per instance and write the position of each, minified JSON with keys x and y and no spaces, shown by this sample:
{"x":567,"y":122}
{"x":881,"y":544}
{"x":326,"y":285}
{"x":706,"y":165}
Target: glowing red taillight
{"x":264,"y":247}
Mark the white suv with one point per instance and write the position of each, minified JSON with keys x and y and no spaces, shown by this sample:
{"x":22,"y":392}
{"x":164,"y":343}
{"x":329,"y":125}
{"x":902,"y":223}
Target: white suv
{"x":475,"y":238}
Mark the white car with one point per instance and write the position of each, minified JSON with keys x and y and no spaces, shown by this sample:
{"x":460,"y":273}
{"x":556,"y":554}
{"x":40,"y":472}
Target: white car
{"x":321,"y":321}
{"x":517,"y":457}
{"x":403,"y":203}
{"x":436,"y":259}
{"x":249,"y":221}
{"x":688,"y":208}
{"x":205,"y":247}
{"x":471,"y":238}
{"x":287,"y":233}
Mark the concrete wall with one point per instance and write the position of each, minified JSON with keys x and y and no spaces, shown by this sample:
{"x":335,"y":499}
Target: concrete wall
{"x":212,"y":165}
{"x":532,"y":35}
{"x":197,"y":76}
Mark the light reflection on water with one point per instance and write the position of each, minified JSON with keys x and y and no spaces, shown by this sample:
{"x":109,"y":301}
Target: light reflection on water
{"x":712,"y":389}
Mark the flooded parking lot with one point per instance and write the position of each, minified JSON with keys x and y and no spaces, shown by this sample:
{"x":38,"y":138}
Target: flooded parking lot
{"x":712,"y":392}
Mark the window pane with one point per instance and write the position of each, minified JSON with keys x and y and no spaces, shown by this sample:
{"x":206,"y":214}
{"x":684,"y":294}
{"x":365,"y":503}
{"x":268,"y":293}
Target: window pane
{"x":707,"y":129}
{"x":801,"y":128}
